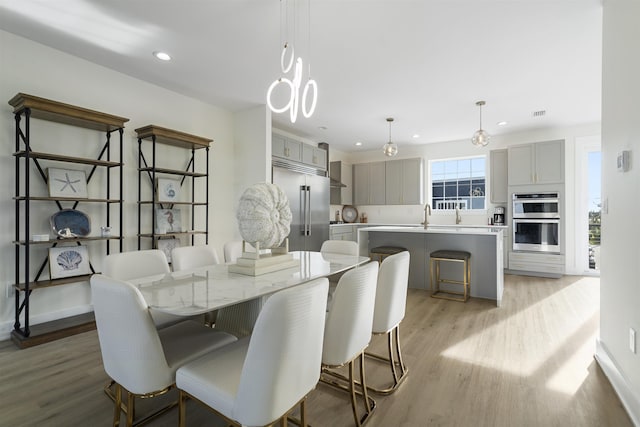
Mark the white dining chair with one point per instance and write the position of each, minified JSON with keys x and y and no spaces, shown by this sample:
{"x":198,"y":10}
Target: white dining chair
{"x":139,"y":358}
{"x":137,"y":264}
{"x":348,"y":333}
{"x":389,"y":310}
{"x":189,"y":257}
{"x":343,"y":247}
{"x":232,"y":251}
{"x":258,"y":380}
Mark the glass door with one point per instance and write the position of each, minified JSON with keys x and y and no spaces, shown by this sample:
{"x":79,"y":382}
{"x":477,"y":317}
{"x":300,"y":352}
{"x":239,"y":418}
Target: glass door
{"x":594,"y":206}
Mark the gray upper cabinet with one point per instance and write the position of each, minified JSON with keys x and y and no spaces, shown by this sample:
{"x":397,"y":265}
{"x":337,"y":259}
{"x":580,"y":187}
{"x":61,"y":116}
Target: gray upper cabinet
{"x":369,"y":183}
{"x":314,"y":156}
{"x":403,"y":182}
{"x":286,"y":148}
{"x":498,"y":175}
{"x":537,"y":163}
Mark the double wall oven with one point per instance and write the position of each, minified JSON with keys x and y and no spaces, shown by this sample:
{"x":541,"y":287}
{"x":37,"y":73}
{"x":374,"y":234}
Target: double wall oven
{"x":536,"y":222}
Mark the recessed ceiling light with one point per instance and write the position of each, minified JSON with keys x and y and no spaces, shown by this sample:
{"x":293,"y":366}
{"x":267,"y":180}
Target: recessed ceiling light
{"x":415,"y":135}
{"x":162,"y":56}
{"x":502,"y":123}
{"x":358,"y":144}
{"x":322,"y":127}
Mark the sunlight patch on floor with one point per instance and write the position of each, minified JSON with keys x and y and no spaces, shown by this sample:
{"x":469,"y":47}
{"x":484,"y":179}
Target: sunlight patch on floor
{"x":570,"y":376}
{"x":523,"y":342}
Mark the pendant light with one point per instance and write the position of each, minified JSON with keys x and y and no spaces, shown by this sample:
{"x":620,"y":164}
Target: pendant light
{"x":480,"y":137}
{"x":390,"y":148}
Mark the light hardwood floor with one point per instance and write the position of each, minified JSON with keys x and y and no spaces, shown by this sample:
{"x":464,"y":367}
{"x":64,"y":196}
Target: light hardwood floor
{"x":528,"y":363}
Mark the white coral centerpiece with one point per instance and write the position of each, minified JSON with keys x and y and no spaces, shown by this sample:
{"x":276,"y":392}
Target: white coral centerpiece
{"x":264,"y":216}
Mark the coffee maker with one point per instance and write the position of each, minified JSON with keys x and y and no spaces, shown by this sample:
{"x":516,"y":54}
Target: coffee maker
{"x":498,"y":215}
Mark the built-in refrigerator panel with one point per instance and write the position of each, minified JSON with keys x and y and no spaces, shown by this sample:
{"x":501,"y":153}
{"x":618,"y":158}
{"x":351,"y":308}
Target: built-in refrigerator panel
{"x":309,"y":202}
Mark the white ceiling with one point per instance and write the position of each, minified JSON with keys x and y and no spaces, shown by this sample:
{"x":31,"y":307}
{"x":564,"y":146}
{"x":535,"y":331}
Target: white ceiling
{"x":425,"y":63}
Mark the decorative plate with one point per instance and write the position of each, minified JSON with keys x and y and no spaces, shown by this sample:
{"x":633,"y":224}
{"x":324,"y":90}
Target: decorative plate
{"x":70,"y":223}
{"x":349,"y":213}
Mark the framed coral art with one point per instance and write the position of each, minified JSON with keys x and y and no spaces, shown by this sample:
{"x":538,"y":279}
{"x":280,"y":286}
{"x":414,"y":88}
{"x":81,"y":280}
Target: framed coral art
{"x":67,"y":183}
{"x":168,"y":190}
{"x":68,"y":261}
{"x":167,"y":245}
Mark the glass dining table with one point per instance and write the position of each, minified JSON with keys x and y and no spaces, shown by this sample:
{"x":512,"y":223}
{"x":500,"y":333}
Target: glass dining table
{"x":197,"y":291}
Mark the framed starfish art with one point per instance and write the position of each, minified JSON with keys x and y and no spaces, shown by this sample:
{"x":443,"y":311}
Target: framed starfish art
{"x":67,"y":183}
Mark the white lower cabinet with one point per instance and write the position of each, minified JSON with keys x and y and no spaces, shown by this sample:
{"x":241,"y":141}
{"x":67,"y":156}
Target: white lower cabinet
{"x":552,"y":264}
{"x":343,"y":232}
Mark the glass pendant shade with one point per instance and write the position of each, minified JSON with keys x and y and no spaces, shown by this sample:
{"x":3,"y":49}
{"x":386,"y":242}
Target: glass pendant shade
{"x":480,"y":138}
{"x":390,"y":149}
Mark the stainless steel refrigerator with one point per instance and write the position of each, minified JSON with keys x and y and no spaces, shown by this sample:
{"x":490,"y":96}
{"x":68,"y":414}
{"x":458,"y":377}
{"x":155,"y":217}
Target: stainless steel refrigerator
{"x":309,"y":201}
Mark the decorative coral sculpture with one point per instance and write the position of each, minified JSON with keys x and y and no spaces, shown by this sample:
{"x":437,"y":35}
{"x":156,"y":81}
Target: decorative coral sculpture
{"x":264,"y":216}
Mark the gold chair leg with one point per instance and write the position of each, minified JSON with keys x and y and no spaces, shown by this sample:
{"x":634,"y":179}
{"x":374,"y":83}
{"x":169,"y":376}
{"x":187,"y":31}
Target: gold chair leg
{"x":182,"y":409}
{"x":352,"y":393}
{"x":130,"y":408}
{"x":398,"y":368}
{"x":116,"y":406}
{"x":303,"y":413}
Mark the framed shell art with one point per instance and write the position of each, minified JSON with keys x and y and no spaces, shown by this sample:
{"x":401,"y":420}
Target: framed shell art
{"x":68,"y":261}
{"x":168,"y":190}
{"x":67,"y":183}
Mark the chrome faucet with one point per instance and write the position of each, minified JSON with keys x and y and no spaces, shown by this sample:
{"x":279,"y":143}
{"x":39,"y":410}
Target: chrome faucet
{"x":458,"y":217}
{"x":427,"y":212}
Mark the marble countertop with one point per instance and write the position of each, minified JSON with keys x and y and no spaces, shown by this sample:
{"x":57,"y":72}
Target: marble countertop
{"x":440,"y":229}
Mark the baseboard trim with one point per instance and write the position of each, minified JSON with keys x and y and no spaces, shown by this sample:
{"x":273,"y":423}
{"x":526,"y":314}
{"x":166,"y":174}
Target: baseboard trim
{"x":7,"y":327}
{"x":629,"y":398}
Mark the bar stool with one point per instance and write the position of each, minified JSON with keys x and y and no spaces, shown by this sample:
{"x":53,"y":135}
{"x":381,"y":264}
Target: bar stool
{"x":450,"y":256}
{"x":381,"y":252}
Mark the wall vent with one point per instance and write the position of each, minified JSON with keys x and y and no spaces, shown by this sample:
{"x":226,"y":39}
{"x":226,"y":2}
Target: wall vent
{"x":539,"y":113}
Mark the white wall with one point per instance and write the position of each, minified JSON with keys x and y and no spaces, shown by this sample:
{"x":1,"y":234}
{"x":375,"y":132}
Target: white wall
{"x":34,"y":69}
{"x":620,"y":284}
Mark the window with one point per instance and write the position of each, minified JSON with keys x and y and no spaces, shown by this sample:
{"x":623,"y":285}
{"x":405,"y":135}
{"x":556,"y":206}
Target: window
{"x":458,"y":183}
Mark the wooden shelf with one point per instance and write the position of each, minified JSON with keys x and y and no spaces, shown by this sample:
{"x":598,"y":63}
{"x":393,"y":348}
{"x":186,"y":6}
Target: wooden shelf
{"x":173,"y":137}
{"x":174,"y":172}
{"x":148,"y":202}
{"x":67,"y":199}
{"x":40,"y":284}
{"x":69,"y":240}
{"x":67,"y":159}
{"x":182,"y":233}
{"x":57,"y":329}
{"x":54,"y":111}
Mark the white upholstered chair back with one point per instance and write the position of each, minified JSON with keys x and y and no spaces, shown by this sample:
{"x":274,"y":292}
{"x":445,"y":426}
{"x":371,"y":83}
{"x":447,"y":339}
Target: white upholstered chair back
{"x":135,"y":264}
{"x":284,"y":356}
{"x":232,"y":251}
{"x":187,"y":257}
{"x":350,"y":319}
{"x":131,"y":349}
{"x":345,"y":247}
{"x":391,"y":293}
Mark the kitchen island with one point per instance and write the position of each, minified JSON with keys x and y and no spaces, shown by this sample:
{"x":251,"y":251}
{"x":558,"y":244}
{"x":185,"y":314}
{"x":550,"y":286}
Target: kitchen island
{"x":484,"y":243}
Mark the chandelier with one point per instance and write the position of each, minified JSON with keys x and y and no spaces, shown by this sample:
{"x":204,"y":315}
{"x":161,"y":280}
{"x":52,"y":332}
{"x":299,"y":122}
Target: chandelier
{"x":294,"y":84}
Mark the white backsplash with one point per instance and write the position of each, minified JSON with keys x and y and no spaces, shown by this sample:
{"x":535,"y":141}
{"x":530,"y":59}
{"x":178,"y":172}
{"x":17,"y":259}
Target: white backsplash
{"x":412,"y":214}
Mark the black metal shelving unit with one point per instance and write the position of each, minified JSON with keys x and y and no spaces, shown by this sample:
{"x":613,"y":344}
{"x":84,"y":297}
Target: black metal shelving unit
{"x":159,"y":135}
{"x":29,"y":162}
